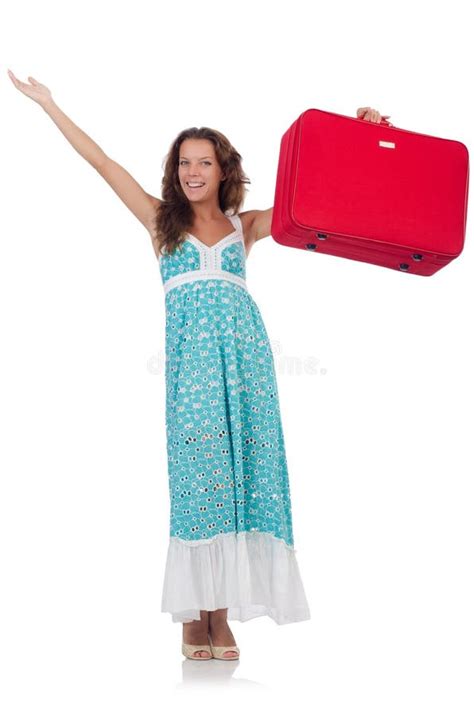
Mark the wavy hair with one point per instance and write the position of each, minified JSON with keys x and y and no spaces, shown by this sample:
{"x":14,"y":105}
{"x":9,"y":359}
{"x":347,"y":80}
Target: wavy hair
{"x":174,"y":215}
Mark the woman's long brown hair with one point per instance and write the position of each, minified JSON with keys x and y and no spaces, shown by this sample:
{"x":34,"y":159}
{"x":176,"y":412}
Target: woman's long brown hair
{"x":175,"y":214}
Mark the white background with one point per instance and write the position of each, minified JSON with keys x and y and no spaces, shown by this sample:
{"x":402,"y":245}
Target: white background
{"x":378,"y":438}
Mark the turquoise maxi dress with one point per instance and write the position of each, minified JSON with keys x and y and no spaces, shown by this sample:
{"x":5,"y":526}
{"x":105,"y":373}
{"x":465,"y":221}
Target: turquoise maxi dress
{"x":231,"y":536}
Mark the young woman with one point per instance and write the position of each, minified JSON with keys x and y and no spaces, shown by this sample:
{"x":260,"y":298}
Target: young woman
{"x":231,"y":552}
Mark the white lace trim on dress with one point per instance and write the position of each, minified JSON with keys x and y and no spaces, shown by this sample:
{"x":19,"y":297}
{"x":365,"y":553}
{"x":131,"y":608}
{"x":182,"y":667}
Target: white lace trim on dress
{"x":190,"y":276}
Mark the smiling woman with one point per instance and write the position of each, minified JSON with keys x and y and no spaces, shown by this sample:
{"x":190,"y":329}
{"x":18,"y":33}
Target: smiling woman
{"x":231,"y":549}
{"x":231,"y":535}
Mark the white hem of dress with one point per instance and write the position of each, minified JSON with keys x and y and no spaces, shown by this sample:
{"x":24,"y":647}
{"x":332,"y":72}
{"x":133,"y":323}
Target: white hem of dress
{"x":251,"y":573}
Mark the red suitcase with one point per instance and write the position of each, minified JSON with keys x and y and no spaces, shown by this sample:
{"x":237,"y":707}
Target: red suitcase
{"x":371,"y":192}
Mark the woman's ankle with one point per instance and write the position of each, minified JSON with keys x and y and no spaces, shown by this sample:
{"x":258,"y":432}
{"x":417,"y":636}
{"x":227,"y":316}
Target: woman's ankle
{"x":202,"y":621}
{"x":218,"y":617}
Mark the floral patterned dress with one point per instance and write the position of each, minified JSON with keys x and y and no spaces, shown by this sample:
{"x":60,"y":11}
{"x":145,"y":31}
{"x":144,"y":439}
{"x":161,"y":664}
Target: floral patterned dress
{"x":231,"y":536}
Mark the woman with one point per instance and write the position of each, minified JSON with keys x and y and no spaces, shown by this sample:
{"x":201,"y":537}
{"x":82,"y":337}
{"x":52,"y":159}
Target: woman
{"x":231,"y":553}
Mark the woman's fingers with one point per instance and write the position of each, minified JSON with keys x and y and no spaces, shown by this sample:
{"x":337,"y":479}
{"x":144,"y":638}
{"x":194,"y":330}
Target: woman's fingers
{"x":370,"y":115}
{"x":12,"y":77}
{"x":17,"y":82}
{"x":35,"y":90}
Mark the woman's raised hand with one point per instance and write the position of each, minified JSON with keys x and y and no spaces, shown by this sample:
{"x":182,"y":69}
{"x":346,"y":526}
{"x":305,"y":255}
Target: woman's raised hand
{"x":370,"y":115}
{"x":35,"y":90}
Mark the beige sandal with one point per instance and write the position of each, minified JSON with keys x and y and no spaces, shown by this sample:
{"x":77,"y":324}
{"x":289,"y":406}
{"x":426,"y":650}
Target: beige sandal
{"x":188,"y":650}
{"x":219,"y":650}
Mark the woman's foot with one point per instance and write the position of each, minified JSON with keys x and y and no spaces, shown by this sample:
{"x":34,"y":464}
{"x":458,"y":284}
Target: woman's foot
{"x":219,"y":631}
{"x":195,"y":633}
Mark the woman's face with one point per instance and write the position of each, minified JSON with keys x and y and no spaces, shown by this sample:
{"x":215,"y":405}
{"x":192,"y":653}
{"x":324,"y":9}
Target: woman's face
{"x":198,"y":165}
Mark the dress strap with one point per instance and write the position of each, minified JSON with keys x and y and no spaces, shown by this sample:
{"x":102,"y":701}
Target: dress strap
{"x":237,"y":221}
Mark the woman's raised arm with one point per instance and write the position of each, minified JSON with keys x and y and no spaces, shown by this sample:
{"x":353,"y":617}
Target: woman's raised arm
{"x":140,"y":203}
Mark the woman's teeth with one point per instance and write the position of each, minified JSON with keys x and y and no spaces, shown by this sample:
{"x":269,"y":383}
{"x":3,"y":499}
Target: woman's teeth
{"x":197,"y":186}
